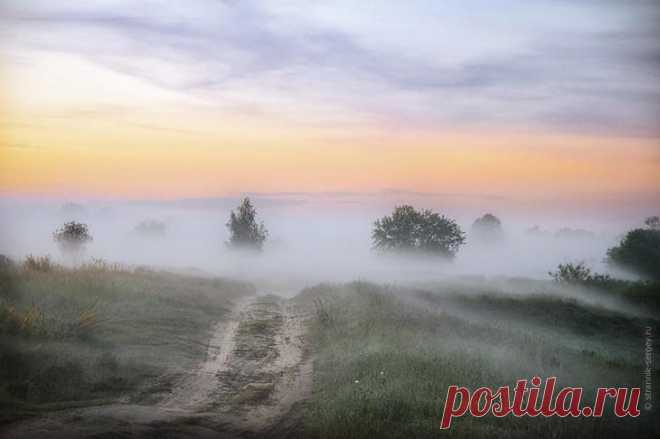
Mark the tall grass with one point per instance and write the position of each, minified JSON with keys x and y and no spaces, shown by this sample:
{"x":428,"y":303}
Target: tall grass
{"x":41,"y":264}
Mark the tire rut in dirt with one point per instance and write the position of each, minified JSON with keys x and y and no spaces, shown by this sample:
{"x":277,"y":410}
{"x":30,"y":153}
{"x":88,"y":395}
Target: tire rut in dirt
{"x":247,"y":380}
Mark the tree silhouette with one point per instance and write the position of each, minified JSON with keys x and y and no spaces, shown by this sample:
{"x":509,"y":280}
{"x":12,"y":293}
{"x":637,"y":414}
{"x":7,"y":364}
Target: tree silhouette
{"x":487,"y":228}
{"x":410,"y":231}
{"x":71,"y":238}
{"x":244,"y":230}
{"x":638,"y":251}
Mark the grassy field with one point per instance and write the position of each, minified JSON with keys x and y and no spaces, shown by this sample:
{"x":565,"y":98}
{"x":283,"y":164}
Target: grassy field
{"x":385,"y":356}
{"x":100,"y":332}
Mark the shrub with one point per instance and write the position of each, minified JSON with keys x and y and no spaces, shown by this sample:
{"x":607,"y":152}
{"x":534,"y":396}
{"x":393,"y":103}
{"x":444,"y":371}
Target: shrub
{"x":580,"y":274}
{"x":571,"y":273}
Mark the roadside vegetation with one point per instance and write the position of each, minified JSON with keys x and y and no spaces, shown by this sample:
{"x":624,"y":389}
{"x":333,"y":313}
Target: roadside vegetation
{"x":100,"y":331}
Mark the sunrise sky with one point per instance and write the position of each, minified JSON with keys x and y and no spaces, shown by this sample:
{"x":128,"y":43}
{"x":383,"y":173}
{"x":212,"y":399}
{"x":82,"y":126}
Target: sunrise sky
{"x":160,"y":100}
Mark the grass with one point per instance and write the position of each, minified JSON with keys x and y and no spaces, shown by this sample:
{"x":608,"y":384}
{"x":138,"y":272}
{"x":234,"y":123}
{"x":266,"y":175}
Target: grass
{"x":385,"y":357}
{"x":100,"y":332}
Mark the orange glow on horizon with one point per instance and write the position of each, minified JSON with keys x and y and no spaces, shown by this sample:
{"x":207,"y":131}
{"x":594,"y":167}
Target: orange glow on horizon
{"x":169,"y":166}
{"x":83,"y":139}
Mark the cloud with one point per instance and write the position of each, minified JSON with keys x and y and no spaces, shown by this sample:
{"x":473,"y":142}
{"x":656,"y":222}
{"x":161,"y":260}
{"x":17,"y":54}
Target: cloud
{"x":598,"y":75}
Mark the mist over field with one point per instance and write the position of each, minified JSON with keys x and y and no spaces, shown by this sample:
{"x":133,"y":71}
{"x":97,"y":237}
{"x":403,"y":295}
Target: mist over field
{"x":162,"y":326}
{"x":300,"y":219}
{"x":310,"y":240}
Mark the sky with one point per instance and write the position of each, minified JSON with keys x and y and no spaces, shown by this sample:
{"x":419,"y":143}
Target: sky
{"x":526,"y":100}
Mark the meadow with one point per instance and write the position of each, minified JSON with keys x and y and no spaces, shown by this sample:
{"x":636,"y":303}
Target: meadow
{"x":385,"y":355}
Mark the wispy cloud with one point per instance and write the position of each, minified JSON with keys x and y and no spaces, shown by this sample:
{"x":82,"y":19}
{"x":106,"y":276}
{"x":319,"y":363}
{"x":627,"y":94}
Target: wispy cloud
{"x":594,"y":71}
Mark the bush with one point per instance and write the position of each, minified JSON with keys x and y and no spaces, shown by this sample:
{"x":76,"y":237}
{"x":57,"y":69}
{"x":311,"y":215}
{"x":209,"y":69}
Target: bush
{"x":571,"y":273}
{"x":639,"y":252}
{"x":579,"y":273}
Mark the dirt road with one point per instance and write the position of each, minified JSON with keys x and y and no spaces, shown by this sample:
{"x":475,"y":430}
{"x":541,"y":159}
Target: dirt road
{"x":257,"y":370}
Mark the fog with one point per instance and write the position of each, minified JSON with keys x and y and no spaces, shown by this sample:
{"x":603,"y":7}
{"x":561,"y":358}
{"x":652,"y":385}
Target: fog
{"x":310,"y":241}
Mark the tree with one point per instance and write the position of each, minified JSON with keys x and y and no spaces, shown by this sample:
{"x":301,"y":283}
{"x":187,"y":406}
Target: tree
{"x":638,"y":251}
{"x":71,"y":238}
{"x":412,"y":231}
{"x":487,"y":228}
{"x":244,"y":230}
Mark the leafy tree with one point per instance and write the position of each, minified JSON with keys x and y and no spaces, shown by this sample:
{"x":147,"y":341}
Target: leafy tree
{"x":244,"y":229}
{"x":71,"y":238}
{"x":487,"y":228}
{"x":638,"y":251}
{"x":410,"y":230}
